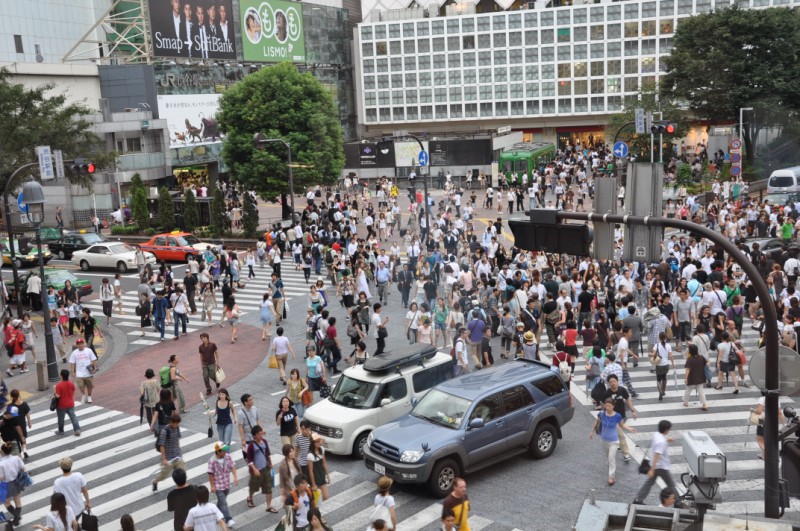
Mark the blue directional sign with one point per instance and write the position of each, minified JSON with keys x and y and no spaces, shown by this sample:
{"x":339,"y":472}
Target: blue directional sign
{"x":22,"y":206}
{"x":423,"y":158}
{"x":621,"y":149}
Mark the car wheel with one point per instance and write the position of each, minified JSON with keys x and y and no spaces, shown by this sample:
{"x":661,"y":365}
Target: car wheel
{"x":61,"y":255}
{"x":122,"y":267}
{"x":84,"y":265}
{"x":358,"y":445}
{"x":442,"y":477}
{"x":544,"y":440}
{"x":17,"y":263}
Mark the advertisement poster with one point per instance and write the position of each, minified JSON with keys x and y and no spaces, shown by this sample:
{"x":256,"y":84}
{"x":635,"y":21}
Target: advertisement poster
{"x":191,"y":118}
{"x":406,"y":154}
{"x":368,"y":155}
{"x":197,"y":29}
{"x":272,"y":31}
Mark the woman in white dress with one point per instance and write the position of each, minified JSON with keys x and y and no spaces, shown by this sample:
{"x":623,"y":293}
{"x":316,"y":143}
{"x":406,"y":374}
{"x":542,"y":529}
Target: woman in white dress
{"x":61,"y":517}
{"x":361,"y":282}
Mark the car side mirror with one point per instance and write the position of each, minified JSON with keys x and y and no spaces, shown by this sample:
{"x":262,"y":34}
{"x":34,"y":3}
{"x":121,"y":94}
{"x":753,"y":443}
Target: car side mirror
{"x":386,"y":401}
{"x":476,"y":423}
{"x":414,"y":401}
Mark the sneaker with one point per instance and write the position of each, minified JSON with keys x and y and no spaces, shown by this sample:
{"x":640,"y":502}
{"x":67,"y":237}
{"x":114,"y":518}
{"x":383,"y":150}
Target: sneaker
{"x":90,"y":400}
{"x":24,"y":370}
{"x":63,"y":360}
{"x":77,"y":434}
{"x":9,"y":372}
{"x":155,"y":487}
{"x":627,"y":459}
{"x":231,"y":522}
{"x":59,"y":433}
{"x":83,"y":400}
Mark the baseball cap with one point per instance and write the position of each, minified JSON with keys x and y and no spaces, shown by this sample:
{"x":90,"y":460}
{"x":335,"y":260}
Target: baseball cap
{"x":221,"y":447}
{"x":65,"y":463}
{"x":16,"y":322}
{"x":79,"y":341}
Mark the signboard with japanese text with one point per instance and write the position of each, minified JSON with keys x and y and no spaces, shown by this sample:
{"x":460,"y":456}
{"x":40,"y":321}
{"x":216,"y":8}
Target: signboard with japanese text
{"x":272,"y":31}
{"x":191,"y":118}
{"x":195,"y":29}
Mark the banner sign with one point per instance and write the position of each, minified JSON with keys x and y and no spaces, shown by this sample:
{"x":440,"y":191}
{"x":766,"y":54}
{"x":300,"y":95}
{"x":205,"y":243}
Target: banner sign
{"x":272,"y":31}
{"x":368,"y":155}
{"x":191,"y":118}
{"x":197,"y":29}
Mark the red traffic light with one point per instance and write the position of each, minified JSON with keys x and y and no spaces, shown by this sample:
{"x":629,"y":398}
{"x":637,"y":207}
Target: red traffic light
{"x":662,"y":127}
{"x":82,"y":167}
{"x":90,"y":168}
{"x":669,"y":129}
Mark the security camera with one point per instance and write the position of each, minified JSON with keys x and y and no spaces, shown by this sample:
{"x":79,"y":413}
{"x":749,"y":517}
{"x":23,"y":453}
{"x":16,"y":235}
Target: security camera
{"x":705,"y":460}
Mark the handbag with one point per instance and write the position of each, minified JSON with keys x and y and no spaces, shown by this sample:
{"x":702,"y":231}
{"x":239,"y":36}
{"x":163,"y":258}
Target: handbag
{"x":380,"y":512}
{"x":382,"y":332}
{"x":23,"y":480}
{"x":324,"y":391}
{"x":305,"y":398}
{"x":89,"y":522}
{"x":644,"y":466}
{"x":273,"y":362}
{"x":54,"y":403}
{"x":219,"y":375}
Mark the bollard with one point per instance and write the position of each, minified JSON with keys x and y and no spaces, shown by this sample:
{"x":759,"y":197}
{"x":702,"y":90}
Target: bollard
{"x":592,"y":499}
{"x":41,"y":376}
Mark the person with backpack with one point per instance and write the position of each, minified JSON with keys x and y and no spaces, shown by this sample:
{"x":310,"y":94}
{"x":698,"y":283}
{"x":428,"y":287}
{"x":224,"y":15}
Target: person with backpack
{"x":259,"y":464}
{"x":727,"y":359}
{"x":459,"y":353}
{"x":170,"y":375}
{"x":168,"y":446}
{"x":563,"y":362}
{"x":661,"y":358}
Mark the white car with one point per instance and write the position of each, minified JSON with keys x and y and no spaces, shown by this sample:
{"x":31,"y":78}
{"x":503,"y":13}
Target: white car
{"x":114,"y":255}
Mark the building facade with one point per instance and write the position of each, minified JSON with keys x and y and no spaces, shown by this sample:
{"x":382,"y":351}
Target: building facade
{"x":555,"y":73}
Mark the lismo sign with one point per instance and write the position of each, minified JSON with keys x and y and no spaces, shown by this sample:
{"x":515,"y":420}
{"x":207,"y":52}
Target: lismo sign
{"x":272,"y":31}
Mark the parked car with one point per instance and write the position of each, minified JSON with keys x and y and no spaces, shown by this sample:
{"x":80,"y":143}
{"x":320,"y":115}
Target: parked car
{"x":74,"y":241}
{"x":114,"y":255}
{"x":175,"y":246}
{"x":30,"y":256}
{"x":772,"y":248}
{"x":52,"y":277}
{"x":377,"y":392}
{"x":472,"y":422}
{"x":784,"y":180}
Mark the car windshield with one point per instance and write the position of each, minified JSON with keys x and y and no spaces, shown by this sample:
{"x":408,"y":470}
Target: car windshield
{"x":782,"y":199}
{"x":442,"y":408}
{"x":59,"y":276}
{"x":356,"y":394}
{"x":92,"y":237}
{"x":121,"y":248}
{"x":187,"y":241}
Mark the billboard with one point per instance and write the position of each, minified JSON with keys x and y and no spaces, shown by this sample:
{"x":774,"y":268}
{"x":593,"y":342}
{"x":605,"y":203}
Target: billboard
{"x":197,"y":29}
{"x":406,"y":154}
{"x":272,"y":31}
{"x":191,"y":118}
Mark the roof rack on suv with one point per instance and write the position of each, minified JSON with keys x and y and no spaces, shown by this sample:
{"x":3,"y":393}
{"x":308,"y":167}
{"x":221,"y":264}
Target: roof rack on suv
{"x":400,"y":357}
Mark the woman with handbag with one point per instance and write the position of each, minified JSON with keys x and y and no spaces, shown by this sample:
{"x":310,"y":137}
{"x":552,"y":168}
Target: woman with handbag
{"x":661,"y":358}
{"x":10,"y":468}
{"x":315,"y":371}
{"x":383,"y":506}
{"x":149,"y":392}
{"x":297,"y":391}
{"x":267,"y":316}
{"x":61,"y":517}
{"x":232,"y":313}
{"x":606,"y":427}
{"x":281,"y":347}
{"x":225,"y":412}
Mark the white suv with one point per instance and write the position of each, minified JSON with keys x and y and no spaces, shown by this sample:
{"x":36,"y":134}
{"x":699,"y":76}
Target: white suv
{"x":379,"y":391}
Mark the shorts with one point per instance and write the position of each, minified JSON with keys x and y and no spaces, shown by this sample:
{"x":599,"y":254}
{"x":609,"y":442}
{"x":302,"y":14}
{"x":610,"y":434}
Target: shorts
{"x":261,"y":482}
{"x":18,"y":359}
{"x":440,"y":326}
{"x":760,"y":430}
{"x":85,"y":384}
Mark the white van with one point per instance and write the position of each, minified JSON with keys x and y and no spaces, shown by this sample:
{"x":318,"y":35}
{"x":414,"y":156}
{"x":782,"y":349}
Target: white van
{"x":379,"y":391}
{"x":785,"y":180}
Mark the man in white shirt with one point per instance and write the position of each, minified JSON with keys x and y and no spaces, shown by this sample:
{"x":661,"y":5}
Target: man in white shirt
{"x":73,"y":486}
{"x":659,"y":462}
{"x":461,"y":351}
{"x":84,"y":365}
{"x":707,"y":262}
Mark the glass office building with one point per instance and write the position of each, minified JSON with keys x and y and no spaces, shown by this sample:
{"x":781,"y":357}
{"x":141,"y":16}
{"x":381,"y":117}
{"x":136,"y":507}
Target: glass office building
{"x":529,"y":68}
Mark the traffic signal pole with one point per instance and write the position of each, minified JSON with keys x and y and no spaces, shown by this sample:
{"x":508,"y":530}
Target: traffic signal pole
{"x":771,"y":470}
{"x":10,"y":230}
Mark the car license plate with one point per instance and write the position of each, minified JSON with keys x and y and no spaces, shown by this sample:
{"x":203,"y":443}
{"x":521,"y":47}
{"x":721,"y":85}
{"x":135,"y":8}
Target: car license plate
{"x":380,"y":469}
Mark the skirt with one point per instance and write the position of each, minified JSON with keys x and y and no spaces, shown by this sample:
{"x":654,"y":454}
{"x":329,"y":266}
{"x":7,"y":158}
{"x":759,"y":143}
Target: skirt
{"x":314,"y":384}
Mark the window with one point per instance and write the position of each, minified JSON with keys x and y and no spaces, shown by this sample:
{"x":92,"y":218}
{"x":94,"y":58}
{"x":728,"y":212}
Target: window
{"x":667,"y":7}
{"x":564,"y":71}
{"x":394,"y":47}
{"x":649,"y":47}
{"x":18,"y":44}
{"x":424,"y":45}
{"x":532,"y":106}
{"x":369,"y":98}
{"x":548,"y":89}
{"x":383,"y":82}
{"x":500,"y":92}
{"x":425,"y":96}
{"x":597,"y":33}
{"x":498,"y":22}
{"x":366,"y":33}
{"x":369,"y":66}
{"x":515,"y":38}
{"x":665,"y":45}
{"x":581,"y":87}
{"x":366,"y":49}
{"x":597,"y":51}
{"x":408,"y":29}
{"x":597,"y":15}
{"x":614,"y":31}
{"x":160,"y":241}
{"x":579,"y":51}
{"x":437,"y":27}
{"x":649,"y":10}
{"x":380,"y":32}
{"x":546,"y":19}
{"x":547,"y":36}
{"x":486,"y":92}
{"x":487,"y":409}
{"x":409,"y":46}
{"x":564,"y":88}
{"x":614,"y":68}
{"x":516,"y":398}
{"x":423,"y":29}
{"x":631,"y":48}
{"x":380,"y":48}
{"x":453,"y":43}
{"x":372,"y":115}
{"x":397,"y":97}
{"x":455,"y":77}
{"x":426,"y":112}
{"x":581,"y":105}
{"x":412,"y":113}
{"x":667,"y":27}
{"x":383,"y":98}
{"x":648,"y":65}
{"x":439,"y":78}
{"x":499,"y":40}
{"x":487,"y":109}
{"x":395,"y":390}
{"x":514,"y":21}
{"x":425,"y":79}
{"x":425,"y":62}
{"x":486,"y":75}
{"x":455,"y":111}
{"x":579,"y":34}
{"x":579,"y":16}
{"x":563,"y":35}
{"x":598,"y":105}
{"x":397,"y":80}
{"x":532,"y":90}
{"x":500,"y":57}
{"x":410,"y":63}
{"x":580,"y":69}
{"x":501,"y":108}
{"x":484,"y":58}
{"x":531,"y":37}
{"x":564,"y":105}
{"x":613,"y":49}
{"x":439,"y":61}
{"x":597,"y":86}
{"x":551,"y":385}
{"x":614,"y":13}
{"x":411,"y":96}
{"x":470,"y":93}
{"x":501,"y":75}
{"x":517,"y":108}
{"x":515,"y":56}
{"x":532,"y":73}
{"x":614,"y":103}
{"x":631,"y":11}
{"x":484,"y":24}
{"x":684,"y":7}
{"x":452,"y":26}
{"x":454,"y":60}
{"x":440,"y":95}
{"x":468,"y":42}
{"x":531,"y":19}
{"x":531,"y":55}
{"x":469,"y":77}
{"x":631,"y":84}
{"x":471,"y":110}
{"x":648,"y":28}
{"x":455,"y":94}
{"x":548,"y":106}
{"x":631,"y":29}
{"x":394,"y":31}
{"x":469,"y":59}
{"x":515,"y":73}
{"x":613,"y":85}
{"x":564,"y":53}
{"x":547,"y":54}
{"x":383,"y":65}
{"x":516,"y":91}
{"x":397,"y":64}
{"x":485,"y":40}
{"x":437,"y":44}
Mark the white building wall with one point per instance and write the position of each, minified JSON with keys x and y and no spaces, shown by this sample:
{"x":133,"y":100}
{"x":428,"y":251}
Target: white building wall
{"x":541,"y":67}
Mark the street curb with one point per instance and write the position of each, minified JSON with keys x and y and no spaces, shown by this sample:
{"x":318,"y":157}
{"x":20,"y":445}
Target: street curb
{"x":115,"y":348}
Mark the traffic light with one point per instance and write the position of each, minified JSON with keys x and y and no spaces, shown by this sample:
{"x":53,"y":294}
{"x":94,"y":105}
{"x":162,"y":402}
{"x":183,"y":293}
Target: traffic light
{"x":82,"y":167}
{"x":544,"y":233}
{"x":663,"y":127}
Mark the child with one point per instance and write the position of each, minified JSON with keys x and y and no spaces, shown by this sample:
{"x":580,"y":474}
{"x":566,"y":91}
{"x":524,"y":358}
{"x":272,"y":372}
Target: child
{"x":61,"y":313}
{"x":74,"y":313}
{"x":302,"y":500}
{"x":17,"y":343}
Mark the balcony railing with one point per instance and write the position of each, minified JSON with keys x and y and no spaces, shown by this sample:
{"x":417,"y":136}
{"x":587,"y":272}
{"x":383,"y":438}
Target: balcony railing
{"x":140,"y":161}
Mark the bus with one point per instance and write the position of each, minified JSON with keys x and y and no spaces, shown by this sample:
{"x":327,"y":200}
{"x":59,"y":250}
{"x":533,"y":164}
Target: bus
{"x":526,"y":157}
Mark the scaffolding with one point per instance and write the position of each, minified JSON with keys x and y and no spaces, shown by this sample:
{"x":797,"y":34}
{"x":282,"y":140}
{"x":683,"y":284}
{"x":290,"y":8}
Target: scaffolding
{"x":127,"y":36}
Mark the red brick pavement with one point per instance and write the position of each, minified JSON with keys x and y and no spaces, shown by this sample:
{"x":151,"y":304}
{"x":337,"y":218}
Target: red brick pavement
{"x":118,"y":386}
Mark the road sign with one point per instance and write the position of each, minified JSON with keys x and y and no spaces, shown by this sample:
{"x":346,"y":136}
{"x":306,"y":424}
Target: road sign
{"x":423,"y":158}
{"x":736,"y":158}
{"x":45,"y":163}
{"x":621,"y":149}
{"x":736,"y":144}
{"x":641,"y":252}
{"x":21,"y":204}
{"x":736,"y":170}
{"x":503,"y":130}
{"x":58,"y":162}
{"x":641,"y":127}
{"x":788,"y":366}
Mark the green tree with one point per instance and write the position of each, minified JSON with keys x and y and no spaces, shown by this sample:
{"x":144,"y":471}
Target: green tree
{"x":165,"y":218}
{"x":34,"y":117}
{"x":139,"y":209}
{"x":281,"y":103}
{"x":219,"y":218}
{"x":249,"y":217}
{"x":650,"y":100}
{"x":191,"y":212}
{"x":735,"y":58}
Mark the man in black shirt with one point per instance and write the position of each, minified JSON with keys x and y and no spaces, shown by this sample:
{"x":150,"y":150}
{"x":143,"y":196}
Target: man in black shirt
{"x":180,"y":500}
{"x":549,"y":313}
{"x":11,"y":429}
{"x":585,"y":300}
{"x":190,"y":283}
{"x":621,"y":398}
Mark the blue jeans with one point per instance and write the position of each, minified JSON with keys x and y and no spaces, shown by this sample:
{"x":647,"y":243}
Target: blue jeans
{"x":179,"y":318}
{"x":222,"y":503}
{"x":225,"y":432}
{"x":160,"y":326}
{"x":72,"y":417}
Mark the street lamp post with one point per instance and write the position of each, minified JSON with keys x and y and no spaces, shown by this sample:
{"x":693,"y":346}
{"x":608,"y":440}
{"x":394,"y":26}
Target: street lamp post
{"x":12,"y":252}
{"x":34,"y":198}
{"x":259,"y":140}
{"x":741,"y":121}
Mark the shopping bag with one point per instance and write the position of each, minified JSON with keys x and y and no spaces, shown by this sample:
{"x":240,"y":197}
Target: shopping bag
{"x":219,"y":376}
{"x":89,"y":521}
{"x":273,"y":362}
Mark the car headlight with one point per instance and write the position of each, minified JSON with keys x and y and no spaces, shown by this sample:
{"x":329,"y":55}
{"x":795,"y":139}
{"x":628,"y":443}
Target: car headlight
{"x":338,"y":434}
{"x":411,"y":456}
{"x":370,"y":438}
